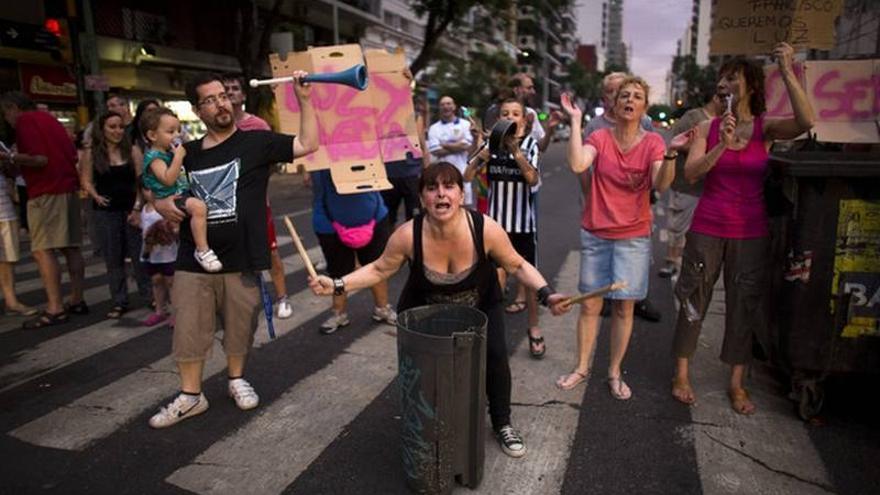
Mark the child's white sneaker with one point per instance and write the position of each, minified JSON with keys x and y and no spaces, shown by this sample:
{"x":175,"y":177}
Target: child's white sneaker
{"x":209,"y":260}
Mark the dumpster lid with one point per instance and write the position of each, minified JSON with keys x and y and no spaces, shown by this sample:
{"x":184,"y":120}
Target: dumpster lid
{"x":827,"y":164}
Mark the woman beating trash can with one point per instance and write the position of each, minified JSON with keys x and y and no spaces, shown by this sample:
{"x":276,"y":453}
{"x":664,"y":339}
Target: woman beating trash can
{"x":452,"y":254}
{"x":729,"y":228}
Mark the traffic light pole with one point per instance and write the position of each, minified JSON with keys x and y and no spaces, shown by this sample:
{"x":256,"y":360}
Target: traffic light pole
{"x":89,"y":51}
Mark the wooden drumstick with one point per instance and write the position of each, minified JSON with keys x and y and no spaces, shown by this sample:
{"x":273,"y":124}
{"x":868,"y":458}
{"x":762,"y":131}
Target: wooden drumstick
{"x":299,"y":247}
{"x":596,"y":293}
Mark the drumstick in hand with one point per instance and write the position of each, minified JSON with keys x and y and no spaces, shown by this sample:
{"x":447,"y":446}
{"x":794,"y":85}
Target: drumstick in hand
{"x":299,"y":247}
{"x":596,"y":293}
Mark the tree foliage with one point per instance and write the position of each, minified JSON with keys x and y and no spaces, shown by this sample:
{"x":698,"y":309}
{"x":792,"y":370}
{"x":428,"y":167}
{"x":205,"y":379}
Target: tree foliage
{"x":474,"y":83}
{"x":254,"y":34}
{"x":442,"y":14}
{"x":699,"y":82}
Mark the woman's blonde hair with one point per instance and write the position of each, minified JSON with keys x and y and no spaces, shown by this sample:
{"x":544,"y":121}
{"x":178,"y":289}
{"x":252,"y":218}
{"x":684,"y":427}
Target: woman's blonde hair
{"x":638,"y":81}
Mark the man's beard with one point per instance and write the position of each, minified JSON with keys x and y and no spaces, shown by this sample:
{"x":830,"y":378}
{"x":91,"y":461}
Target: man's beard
{"x":221,"y":123}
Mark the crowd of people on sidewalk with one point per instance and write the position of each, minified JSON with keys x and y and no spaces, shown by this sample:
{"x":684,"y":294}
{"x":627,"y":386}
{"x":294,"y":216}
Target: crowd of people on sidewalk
{"x":194,"y":221}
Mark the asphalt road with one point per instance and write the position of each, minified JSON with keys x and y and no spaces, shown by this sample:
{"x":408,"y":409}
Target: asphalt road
{"x":75,"y":399}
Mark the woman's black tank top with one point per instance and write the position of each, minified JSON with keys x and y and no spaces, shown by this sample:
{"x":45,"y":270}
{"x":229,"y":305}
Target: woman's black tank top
{"x":479,"y":289}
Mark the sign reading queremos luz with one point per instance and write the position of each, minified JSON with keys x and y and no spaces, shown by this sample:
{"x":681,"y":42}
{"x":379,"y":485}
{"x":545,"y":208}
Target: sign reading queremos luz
{"x":48,"y":83}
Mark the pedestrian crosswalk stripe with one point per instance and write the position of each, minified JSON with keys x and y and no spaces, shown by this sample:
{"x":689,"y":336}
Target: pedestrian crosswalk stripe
{"x":294,"y":430}
{"x":84,"y":342}
{"x":546,"y":416}
{"x":98,"y":414}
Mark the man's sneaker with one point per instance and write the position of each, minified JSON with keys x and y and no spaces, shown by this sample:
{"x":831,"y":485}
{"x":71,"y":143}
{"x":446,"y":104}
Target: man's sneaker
{"x":510,"y":441}
{"x":668,"y":271}
{"x":182,"y":407}
{"x":209,"y":260}
{"x":243,"y":394}
{"x":646,"y":311}
{"x":386,"y":315}
{"x":285,"y":309}
{"x":334,"y":323}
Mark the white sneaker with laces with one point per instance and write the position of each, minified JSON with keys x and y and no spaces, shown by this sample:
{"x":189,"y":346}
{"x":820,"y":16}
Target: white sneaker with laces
{"x":244,"y":395}
{"x":285,"y":309}
{"x":510,"y":441}
{"x":386,"y":315}
{"x":183,"y":406}
{"x":334,"y":323}
{"x":209,"y":260}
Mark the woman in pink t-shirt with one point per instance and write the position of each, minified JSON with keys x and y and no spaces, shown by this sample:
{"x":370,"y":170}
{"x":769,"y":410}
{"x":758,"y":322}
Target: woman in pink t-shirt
{"x":627,"y":163}
{"x":729,"y":229}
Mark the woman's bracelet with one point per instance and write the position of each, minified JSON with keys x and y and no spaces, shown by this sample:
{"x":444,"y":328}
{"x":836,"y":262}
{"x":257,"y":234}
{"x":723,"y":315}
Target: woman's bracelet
{"x":543,"y":295}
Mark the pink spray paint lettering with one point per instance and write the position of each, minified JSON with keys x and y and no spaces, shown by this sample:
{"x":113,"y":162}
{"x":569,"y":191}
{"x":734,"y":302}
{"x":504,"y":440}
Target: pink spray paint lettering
{"x":840,"y":98}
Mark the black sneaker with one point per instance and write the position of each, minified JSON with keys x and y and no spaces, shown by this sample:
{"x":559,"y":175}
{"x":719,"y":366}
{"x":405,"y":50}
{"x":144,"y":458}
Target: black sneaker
{"x":646,"y":311}
{"x":510,"y":441}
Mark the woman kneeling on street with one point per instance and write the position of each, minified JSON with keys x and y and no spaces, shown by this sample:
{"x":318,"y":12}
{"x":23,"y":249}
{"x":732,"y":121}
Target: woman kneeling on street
{"x":452,"y":253}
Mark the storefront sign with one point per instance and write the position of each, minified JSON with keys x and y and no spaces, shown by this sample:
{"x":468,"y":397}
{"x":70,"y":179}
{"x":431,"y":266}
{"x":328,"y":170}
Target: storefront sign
{"x":47,"y":83}
{"x":746,"y":27}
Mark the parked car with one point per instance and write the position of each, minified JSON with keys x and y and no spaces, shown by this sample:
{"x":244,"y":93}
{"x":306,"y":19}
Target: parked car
{"x":563,"y":133}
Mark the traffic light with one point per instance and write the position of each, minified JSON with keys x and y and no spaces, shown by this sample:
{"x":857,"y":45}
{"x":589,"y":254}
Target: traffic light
{"x":59,"y":28}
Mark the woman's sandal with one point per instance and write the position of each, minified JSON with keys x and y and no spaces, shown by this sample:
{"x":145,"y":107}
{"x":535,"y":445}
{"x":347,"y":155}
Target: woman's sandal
{"x":618,"y":388}
{"x":740,"y":402}
{"x":116,"y":312}
{"x":566,"y":382}
{"x":80,"y":308}
{"x":683,"y":392}
{"x":515,"y":307}
{"x":537,"y":347}
{"x":46,"y":319}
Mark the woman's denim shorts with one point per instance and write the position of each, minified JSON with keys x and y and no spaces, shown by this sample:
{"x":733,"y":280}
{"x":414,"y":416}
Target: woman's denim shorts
{"x":605,"y":261}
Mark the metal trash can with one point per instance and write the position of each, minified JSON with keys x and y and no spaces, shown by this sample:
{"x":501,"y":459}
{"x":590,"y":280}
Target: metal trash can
{"x":441,"y":355}
{"x":826,"y":287}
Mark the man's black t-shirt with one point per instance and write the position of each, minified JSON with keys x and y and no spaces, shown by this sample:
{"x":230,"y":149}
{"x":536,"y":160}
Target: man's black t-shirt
{"x":231,"y":178}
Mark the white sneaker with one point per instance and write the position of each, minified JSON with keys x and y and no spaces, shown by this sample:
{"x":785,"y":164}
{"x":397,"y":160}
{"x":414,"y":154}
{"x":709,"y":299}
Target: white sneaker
{"x":334,"y":323}
{"x":285,"y":309}
{"x":209,"y":260}
{"x":183,"y":406}
{"x":510,"y":441}
{"x":243,"y":394}
{"x":386,"y":315}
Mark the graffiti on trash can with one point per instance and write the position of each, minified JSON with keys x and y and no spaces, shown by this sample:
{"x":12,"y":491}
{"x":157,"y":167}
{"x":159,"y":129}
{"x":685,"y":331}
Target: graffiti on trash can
{"x":416,"y":451}
{"x":857,"y":267}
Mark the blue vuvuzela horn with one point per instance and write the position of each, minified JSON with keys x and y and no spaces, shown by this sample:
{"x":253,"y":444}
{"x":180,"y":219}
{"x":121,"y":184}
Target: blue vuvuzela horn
{"x":355,"y":76}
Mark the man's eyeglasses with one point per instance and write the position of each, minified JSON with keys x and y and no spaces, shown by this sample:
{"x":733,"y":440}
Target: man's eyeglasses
{"x":212,"y":101}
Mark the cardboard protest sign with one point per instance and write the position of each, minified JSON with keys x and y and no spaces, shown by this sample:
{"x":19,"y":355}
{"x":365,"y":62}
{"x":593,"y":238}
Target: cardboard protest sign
{"x":746,"y":27}
{"x":358,"y":130}
{"x":843,"y":93}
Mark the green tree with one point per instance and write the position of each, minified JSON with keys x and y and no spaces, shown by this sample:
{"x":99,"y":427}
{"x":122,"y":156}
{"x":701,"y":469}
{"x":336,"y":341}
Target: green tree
{"x":441,"y":15}
{"x":473,"y":84}
{"x":254,"y":32}
{"x":699,"y":81}
{"x":583,"y":83}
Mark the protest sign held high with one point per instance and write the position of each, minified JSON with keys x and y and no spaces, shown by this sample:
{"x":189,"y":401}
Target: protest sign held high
{"x":747,"y":27}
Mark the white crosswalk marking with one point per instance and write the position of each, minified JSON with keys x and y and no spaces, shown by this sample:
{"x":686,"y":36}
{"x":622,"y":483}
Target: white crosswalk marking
{"x":297,"y":427}
{"x":98,"y":414}
{"x":546,"y":416}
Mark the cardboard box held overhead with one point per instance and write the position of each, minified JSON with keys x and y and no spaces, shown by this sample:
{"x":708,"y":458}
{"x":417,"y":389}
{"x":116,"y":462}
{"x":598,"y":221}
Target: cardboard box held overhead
{"x":359,"y":131}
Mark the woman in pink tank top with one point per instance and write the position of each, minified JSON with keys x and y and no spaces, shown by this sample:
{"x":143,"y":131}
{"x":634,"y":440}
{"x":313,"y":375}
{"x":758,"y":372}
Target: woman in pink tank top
{"x":729,"y":230}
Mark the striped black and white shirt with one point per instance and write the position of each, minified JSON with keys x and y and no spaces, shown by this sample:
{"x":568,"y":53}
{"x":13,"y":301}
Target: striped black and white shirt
{"x":510,"y":196}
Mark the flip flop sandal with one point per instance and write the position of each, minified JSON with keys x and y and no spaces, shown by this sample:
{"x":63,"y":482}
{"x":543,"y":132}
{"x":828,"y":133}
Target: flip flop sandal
{"x":563,"y":383}
{"x":46,"y":319}
{"x":740,"y":402}
{"x":80,"y":308}
{"x":24,"y":311}
{"x":535,"y":342}
{"x":683,"y":388}
{"x":515,"y":307}
{"x":618,"y":388}
{"x":116,"y":312}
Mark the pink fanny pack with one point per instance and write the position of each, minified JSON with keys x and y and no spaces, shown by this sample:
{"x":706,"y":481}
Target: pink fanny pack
{"x":355,"y":237}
